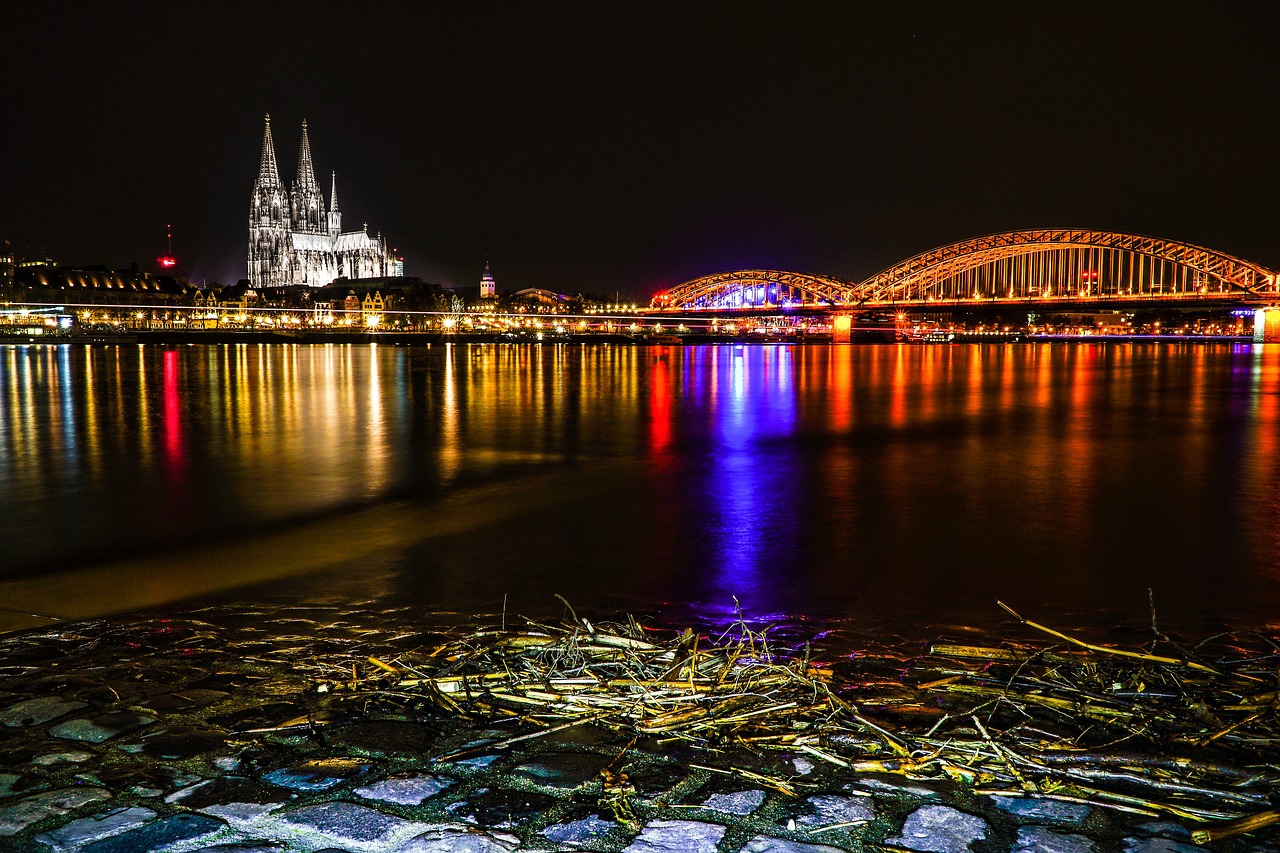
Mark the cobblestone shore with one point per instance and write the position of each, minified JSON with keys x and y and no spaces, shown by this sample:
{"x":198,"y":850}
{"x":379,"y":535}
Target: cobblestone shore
{"x":213,"y":730}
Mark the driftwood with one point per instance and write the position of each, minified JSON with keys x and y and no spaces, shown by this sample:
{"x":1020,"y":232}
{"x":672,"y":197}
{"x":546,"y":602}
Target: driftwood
{"x":1191,"y":734}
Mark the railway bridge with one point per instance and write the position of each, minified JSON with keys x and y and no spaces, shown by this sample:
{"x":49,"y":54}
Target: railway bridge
{"x":1042,"y":268}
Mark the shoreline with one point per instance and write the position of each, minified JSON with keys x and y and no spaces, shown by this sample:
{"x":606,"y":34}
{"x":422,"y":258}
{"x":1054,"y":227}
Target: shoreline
{"x":181,"y":338}
{"x":284,"y":726}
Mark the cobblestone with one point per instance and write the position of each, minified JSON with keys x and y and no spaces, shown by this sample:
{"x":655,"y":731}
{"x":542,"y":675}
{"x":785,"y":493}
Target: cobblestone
{"x":37,"y":807}
{"x":678,"y":836}
{"x":78,"y":833}
{"x":235,"y":752}
{"x":940,"y":829}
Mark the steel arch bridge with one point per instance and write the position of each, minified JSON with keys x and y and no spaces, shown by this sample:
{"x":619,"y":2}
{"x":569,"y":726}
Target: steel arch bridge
{"x":1044,"y":265}
{"x":755,"y":289}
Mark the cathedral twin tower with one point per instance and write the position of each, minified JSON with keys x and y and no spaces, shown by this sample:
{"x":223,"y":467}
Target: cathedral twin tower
{"x":294,"y":239}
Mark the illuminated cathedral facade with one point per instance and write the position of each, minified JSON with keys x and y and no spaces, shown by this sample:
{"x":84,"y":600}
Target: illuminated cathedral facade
{"x":295,"y":239}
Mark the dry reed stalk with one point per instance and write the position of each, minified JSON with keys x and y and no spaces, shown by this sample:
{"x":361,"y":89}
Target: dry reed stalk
{"x":1020,"y":718}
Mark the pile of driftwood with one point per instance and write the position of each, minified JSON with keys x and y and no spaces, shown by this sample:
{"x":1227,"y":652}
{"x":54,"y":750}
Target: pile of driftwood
{"x":1189,"y":733}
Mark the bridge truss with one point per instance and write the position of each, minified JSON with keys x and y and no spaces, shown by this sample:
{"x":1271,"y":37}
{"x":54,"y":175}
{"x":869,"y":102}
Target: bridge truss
{"x":1056,"y":263}
{"x":755,"y":289}
{"x":1045,"y":265}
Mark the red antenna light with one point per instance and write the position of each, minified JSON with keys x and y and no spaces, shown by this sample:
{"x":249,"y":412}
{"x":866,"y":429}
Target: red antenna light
{"x":169,"y":261}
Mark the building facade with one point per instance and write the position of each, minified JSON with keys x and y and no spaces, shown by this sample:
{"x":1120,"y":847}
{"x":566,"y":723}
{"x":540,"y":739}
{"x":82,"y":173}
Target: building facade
{"x":295,"y":239}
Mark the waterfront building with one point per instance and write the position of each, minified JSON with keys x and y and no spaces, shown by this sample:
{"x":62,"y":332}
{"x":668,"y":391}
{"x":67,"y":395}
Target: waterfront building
{"x":6,"y":270}
{"x":296,"y":239}
{"x":96,"y":285}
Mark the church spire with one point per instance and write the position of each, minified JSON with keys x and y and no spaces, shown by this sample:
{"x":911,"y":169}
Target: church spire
{"x":335,"y":216}
{"x":305,"y":198}
{"x":306,"y":172}
{"x":488,"y":287}
{"x":268,"y":174}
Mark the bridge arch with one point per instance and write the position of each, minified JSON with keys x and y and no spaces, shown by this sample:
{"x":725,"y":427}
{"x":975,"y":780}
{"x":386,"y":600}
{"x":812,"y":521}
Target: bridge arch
{"x":755,"y":289}
{"x":1049,"y":263}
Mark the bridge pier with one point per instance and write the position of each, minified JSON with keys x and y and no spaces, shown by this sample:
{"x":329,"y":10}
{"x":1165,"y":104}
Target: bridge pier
{"x":1266,"y":325}
{"x":841,"y":328}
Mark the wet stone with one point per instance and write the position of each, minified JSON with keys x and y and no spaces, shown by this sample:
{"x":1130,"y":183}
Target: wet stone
{"x":1045,"y":811}
{"x":405,"y":790}
{"x":16,"y":816}
{"x":579,"y":832}
{"x":244,"y":847}
{"x":1038,"y":838}
{"x":579,"y":736}
{"x":231,"y":797}
{"x":182,"y":743}
{"x":735,"y":803}
{"x":101,"y":728}
{"x":147,"y":779}
{"x":78,"y":833}
{"x":385,"y":738}
{"x":561,"y":769}
{"x":226,"y":681}
{"x":769,"y":844}
{"x":478,"y":762}
{"x":1159,"y":845}
{"x":8,"y":783}
{"x":50,"y":758}
{"x":258,"y":716}
{"x":186,"y":700}
{"x":110,"y":694}
{"x":460,"y":839}
{"x":1164,"y":828}
{"x":833,"y":809}
{"x":501,"y":808}
{"x":886,"y":784}
{"x":317,"y":775}
{"x":180,"y":827}
{"x":940,"y":829}
{"x":677,"y":836}
{"x":652,"y":780}
{"x":346,"y":823}
{"x":62,"y":684}
{"x":42,"y":709}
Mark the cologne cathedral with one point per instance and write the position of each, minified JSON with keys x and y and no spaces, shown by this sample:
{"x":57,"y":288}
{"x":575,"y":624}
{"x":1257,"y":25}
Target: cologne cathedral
{"x":294,"y":239}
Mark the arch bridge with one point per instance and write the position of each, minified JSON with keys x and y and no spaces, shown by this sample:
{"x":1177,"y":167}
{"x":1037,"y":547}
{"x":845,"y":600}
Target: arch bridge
{"x":1035,"y":266}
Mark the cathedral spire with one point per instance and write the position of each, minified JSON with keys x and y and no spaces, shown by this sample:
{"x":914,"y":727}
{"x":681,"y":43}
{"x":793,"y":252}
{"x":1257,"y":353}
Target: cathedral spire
{"x":305,"y":199}
{"x":306,"y":172}
{"x":268,"y":173}
{"x":335,"y":216}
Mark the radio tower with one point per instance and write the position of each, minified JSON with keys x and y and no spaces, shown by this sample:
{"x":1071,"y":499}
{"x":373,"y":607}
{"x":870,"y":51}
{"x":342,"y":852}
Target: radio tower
{"x":169,"y":261}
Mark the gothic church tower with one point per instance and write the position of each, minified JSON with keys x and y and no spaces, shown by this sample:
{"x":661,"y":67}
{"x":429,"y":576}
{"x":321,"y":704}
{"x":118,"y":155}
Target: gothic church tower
{"x":269,"y":243}
{"x":306,"y":201}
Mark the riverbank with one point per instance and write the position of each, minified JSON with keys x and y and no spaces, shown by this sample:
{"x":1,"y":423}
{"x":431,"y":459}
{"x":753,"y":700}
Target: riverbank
{"x":277,"y":728}
{"x":172,"y":337}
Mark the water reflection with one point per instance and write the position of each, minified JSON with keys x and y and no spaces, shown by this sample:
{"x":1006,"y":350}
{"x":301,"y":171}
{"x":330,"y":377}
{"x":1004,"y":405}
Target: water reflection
{"x":928,"y":480}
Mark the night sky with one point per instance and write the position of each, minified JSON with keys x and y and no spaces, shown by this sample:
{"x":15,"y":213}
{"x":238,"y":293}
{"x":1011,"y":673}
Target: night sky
{"x":605,"y":147}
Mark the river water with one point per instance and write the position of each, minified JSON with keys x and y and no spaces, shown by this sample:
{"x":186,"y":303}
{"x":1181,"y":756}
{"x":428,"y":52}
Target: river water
{"x":898,"y":484}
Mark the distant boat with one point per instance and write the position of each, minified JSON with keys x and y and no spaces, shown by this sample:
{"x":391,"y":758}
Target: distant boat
{"x":931,"y":337}
{"x":665,"y":340}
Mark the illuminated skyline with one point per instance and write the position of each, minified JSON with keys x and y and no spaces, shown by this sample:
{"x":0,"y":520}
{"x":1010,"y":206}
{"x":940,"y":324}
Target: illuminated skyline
{"x":629,"y":148}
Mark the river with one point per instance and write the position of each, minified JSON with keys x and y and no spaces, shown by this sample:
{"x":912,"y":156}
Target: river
{"x":902,"y":485}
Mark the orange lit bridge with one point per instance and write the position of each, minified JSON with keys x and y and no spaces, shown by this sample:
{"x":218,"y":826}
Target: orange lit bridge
{"x":1046,"y":268}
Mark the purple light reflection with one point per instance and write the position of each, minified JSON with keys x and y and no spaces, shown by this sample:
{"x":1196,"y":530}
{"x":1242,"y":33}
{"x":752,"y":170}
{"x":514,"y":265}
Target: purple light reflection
{"x":752,"y":482}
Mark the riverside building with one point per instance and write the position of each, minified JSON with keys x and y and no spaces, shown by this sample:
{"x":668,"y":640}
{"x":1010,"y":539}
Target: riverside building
{"x":294,"y":238}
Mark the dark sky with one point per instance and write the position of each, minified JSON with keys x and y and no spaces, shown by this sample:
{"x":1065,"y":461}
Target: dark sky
{"x":629,"y":146}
